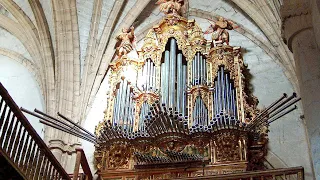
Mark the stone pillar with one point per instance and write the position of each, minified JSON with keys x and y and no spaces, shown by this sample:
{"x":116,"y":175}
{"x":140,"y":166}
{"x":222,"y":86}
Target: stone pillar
{"x":300,"y":37}
{"x":65,"y":152}
{"x":315,"y":8}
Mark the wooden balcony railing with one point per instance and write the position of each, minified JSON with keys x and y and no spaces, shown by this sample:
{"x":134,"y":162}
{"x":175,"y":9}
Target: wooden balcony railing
{"x":81,"y":160}
{"x":22,"y":146}
{"x":296,"y":173}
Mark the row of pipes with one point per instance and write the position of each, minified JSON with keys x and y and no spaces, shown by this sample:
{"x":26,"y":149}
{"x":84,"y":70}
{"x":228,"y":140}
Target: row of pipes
{"x":173,"y":89}
{"x":199,"y":70}
{"x":143,"y":113}
{"x":200,"y":112}
{"x":147,"y":77}
{"x":124,"y":106}
{"x":173,"y":78}
{"x":224,"y":95}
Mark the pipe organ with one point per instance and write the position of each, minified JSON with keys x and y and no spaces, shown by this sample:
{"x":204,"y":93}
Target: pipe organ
{"x":183,"y":104}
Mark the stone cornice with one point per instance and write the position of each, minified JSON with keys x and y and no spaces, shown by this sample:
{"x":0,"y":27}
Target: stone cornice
{"x":292,"y":10}
{"x":62,"y":146}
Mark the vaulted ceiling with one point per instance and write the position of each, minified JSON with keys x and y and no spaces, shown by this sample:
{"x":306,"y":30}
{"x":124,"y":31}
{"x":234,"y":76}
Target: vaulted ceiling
{"x":69,"y":44}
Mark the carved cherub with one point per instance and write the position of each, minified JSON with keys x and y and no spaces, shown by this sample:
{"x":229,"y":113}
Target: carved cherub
{"x":219,"y":30}
{"x":170,"y":6}
{"x":125,"y":42}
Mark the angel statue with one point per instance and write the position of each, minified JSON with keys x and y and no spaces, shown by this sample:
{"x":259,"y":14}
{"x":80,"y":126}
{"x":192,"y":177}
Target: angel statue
{"x":219,"y":30}
{"x":125,"y":42}
{"x":170,"y":6}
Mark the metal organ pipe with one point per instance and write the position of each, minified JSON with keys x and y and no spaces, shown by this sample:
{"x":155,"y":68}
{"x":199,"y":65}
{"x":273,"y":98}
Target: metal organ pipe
{"x":126,"y":108}
{"x":153,"y":84}
{"x":223,"y":100}
{"x":132,"y":111}
{"x":198,"y":67}
{"x":115,"y":106}
{"x":143,"y":113}
{"x":234,"y":103}
{"x":179,"y":79}
{"x":227,"y":95}
{"x":123,"y":100}
{"x":119,"y":101}
{"x":184,"y":87}
{"x":216,"y":105}
{"x":144,"y":76}
{"x":218,"y":93}
{"x":230,"y":99}
{"x":172,"y":75}
{"x":194,"y":71}
{"x":150,"y":76}
{"x":201,"y":70}
{"x":166,"y":76}
{"x":205,"y":71}
{"x":162,"y":83}
{"x":197,"y":111}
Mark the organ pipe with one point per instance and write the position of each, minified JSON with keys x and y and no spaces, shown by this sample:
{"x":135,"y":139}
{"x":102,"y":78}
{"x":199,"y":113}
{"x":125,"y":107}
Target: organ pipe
{"x":123,"y":101}
{"x":200,"y":112}
{"x":172,"y":75}
{"x":224,"y":94}
{"x":184,"y":87}
{"x":147,"y":76}
{"x":199,"y":70}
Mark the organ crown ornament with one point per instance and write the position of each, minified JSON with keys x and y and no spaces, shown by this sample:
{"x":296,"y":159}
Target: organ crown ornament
{"x":170,"y":6}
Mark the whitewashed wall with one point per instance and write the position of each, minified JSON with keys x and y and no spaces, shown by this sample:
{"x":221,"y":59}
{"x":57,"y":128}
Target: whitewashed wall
{"x":23,"y":88}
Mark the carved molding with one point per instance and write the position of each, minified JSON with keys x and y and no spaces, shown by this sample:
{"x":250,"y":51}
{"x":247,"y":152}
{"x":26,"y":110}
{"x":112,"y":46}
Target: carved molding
{"x":296,"y":17}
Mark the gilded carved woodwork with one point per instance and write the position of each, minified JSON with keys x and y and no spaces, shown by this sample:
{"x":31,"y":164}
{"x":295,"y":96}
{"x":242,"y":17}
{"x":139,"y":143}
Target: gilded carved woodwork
{"x":145,"y":153}
{"x":170,"y":6}
{"x":125,"y":41}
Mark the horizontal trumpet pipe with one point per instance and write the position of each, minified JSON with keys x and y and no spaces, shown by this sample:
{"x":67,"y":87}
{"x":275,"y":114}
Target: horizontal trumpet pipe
{"x":282,"y":114}
{"x":66,"y":131}
{"x":70,"y":121}
{"x":272,"y":109}
{"x":283,"y":108}
{"x":51,"y":121}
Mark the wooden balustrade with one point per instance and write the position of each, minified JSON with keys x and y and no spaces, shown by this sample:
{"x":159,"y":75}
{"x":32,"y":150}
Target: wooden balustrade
{"x":81,"y":160}
{"x":296,"y":173}
{"x":22,"y":146}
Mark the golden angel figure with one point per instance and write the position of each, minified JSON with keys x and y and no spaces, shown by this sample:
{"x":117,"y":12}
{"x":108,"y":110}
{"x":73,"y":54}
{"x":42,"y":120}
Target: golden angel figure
{"x":219,"y":30}
{"x":170,"y":6}
{"x":125,"y":42}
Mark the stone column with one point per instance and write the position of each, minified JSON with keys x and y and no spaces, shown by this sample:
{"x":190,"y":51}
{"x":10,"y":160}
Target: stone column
{"x":300,"y":37}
